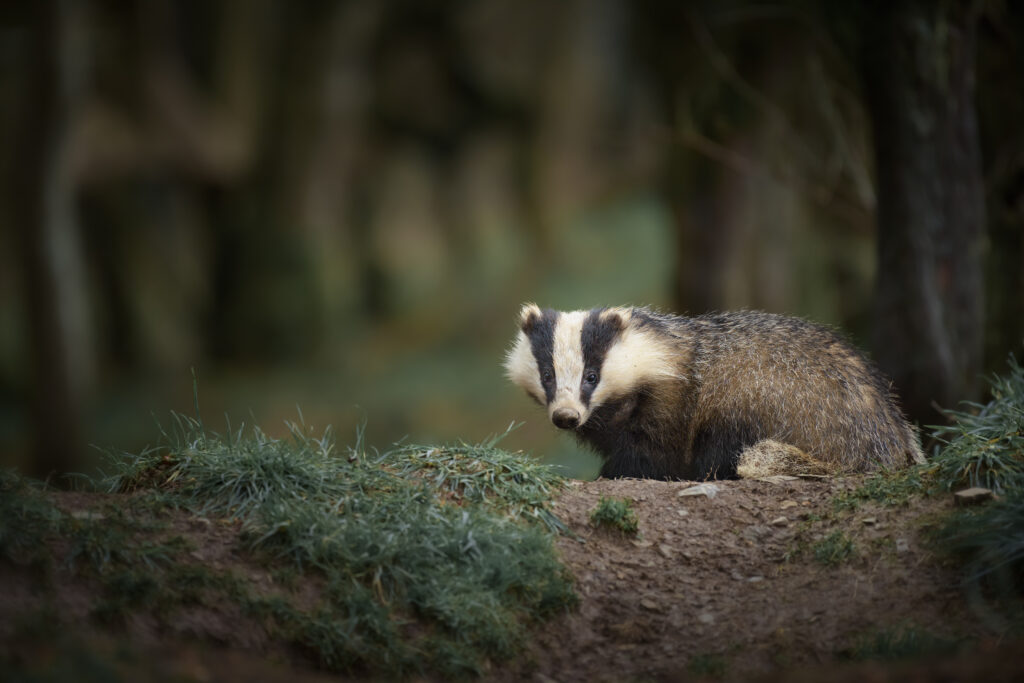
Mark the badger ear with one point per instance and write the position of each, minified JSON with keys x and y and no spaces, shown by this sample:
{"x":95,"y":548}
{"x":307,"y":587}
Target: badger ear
{"x":529,"y":316}
{"x":618,"y":318}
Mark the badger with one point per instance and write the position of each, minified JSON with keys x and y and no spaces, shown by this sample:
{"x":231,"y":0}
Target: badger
{"x":719,"y":395}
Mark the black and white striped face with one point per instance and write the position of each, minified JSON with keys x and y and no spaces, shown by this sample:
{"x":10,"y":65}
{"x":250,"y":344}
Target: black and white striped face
{"x":574,"y":362}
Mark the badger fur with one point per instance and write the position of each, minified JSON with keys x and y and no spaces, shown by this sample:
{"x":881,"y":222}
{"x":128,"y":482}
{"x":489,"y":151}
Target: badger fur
{"x":717,"y":395}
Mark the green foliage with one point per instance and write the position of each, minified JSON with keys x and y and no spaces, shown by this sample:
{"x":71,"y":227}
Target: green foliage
{"x":888,"y":487}
{"x":26,"y":518}
{"x":989,"y":541}
{"x":439,"y":536}
{"x":707,"y":666}
{"x":833,"y":549}
{"x":905,"y":642}
{"x":985,"y":446}
{"x":615,"y":513}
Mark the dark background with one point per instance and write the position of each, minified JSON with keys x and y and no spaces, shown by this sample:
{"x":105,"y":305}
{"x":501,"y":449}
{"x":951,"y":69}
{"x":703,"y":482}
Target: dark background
{"x":337,"y":207}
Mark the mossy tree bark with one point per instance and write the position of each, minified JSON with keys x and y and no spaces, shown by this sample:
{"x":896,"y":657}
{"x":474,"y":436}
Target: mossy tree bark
{"x":919,"y":81}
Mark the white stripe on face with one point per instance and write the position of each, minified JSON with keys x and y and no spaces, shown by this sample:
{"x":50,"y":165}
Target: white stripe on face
{"x":567,"y":357}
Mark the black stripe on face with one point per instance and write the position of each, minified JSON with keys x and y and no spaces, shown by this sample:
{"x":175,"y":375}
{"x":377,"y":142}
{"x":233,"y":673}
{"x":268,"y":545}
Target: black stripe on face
{"x":596,"y":337}
{"x":541,"y":333}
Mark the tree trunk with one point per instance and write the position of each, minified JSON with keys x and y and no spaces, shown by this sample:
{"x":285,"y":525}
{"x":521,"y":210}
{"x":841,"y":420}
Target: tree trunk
{"x":60,"y":343}
{"x":919,"y":81}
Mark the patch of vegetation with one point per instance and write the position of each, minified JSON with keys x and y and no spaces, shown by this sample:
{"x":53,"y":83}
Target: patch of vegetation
{"x":505,"y":482}
{"x":430,"y":557}
{"x":888,"y":487}
{"x":27,"y":519}
{"x":707,"y":666}
{"x":615,"y":513}
{"x":985,"y":445}
{"x":989,"y":541}
{"x":893,"y":644}
{"x":833,"y":549}
{"x":420,"y":560}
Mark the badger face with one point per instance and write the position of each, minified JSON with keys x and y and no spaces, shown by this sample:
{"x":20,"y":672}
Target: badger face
{"x":574,"y":362}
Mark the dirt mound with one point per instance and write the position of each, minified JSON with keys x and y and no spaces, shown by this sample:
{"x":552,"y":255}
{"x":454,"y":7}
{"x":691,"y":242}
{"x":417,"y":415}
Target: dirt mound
{"x":789,"y":579}
{"x":750,"y":578}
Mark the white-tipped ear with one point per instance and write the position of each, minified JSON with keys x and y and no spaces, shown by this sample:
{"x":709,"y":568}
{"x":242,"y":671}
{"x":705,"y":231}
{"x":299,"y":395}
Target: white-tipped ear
{"x":529,"y":315}
{"x":618,"y":316}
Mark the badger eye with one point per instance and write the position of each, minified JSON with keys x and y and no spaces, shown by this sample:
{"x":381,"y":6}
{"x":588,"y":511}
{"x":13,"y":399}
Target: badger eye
{"x":591,"y":377}
{"x":545,"y":376}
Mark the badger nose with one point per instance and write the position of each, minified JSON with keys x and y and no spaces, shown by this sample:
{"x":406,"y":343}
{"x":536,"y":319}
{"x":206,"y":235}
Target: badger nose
{"x":566,"y":418}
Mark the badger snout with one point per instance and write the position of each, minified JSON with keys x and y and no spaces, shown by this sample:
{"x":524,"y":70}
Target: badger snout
{"x":566,"y":418}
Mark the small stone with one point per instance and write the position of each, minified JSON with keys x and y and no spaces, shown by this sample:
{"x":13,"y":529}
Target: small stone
{"x":737,"y":576}
{"x":755,"y":579}
{"x":870,"y":520}
{"x":972,"y":496}
{"x":706,"y":618}
{"x":666,"y":550}
{"x":682,"y":513}
{"x":642,"y":543}
{"x":647,"y":603}
{"x":709,"y":490}
{"x":786,"y":504}
{"x":901,"y":545}
{"x":780,"y":521}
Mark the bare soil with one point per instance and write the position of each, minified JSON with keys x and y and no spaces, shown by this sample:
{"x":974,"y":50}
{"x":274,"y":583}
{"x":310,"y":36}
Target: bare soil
{"x":731,"y":586}
{"x":737,"y":586}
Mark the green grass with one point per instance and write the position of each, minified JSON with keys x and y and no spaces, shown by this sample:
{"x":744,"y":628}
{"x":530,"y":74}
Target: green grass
{"x":429,"y":559}
{"x":985,"y":444}
{"x":894,"y":644}
{"x":833,"y":549}
{"x":707,"y":666}
{"x":888,"y":487}
{"x":616,"y":514}
{"x":989,"y":543}
{"x":27,"y":519}
{"x":985,"y":447}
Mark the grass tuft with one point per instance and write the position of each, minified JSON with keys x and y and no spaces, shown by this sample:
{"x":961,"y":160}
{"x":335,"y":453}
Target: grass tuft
{"x":455,"y":540}
{"x":27,"y":518}
{"x":985,"y":445}
{"x":833,"y":549}
{"x":615,"y":513}
{"x":894,"y":644}
{"x":888,"y":487}
{"x":707,"y":666}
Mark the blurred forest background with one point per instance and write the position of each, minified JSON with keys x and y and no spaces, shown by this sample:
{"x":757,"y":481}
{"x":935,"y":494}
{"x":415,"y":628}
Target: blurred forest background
{"x":340,"y":205}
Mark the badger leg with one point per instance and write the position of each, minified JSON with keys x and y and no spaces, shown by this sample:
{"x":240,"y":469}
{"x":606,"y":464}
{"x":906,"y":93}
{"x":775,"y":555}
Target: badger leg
{"x":630,"y":460}
{"x":768,"y":457}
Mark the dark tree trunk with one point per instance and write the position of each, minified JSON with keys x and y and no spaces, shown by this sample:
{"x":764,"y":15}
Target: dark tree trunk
{"x":52,"y":256}
{"x":919,"y":81}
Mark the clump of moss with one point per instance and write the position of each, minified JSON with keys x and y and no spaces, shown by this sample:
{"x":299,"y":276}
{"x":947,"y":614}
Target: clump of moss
{"x":615,"y":513}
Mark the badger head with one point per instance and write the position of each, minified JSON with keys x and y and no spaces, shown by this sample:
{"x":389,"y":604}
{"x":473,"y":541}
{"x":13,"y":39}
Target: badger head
{"x":575,"y":362}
